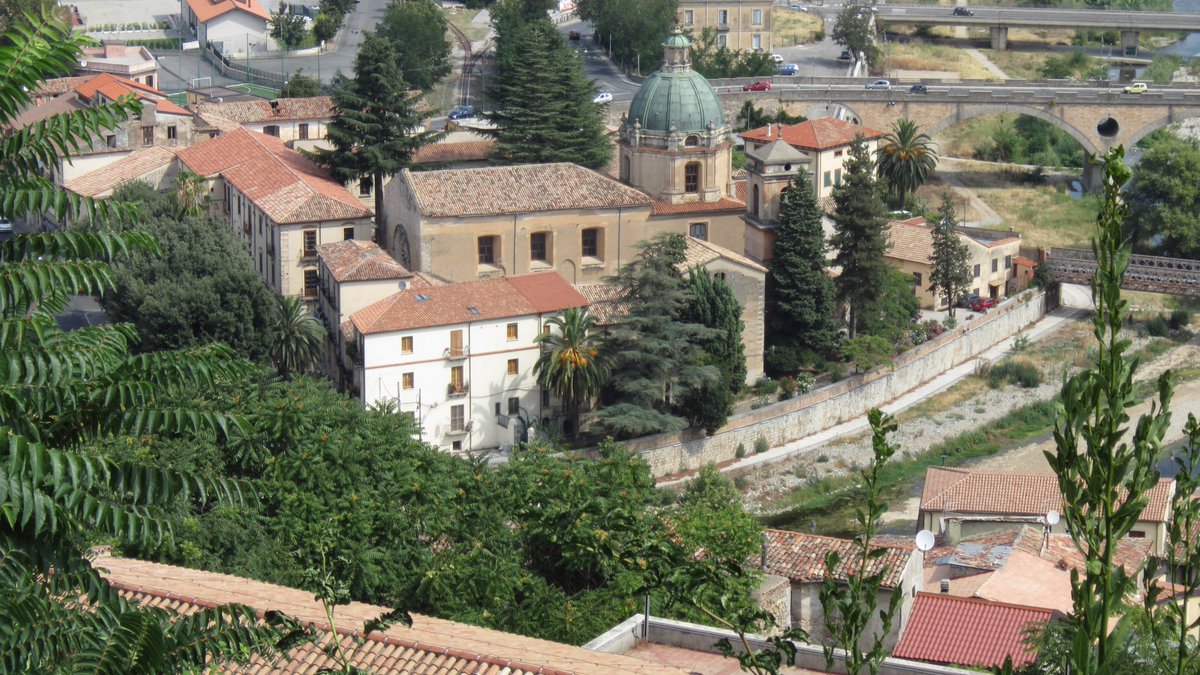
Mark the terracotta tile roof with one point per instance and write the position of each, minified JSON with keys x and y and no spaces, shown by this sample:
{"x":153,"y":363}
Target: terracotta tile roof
{"x":113,"y":88}
{"x":1024,"y":494}
{"x":470,"y":301}
{"x":133,"y":167}
{"x":528,"y":188}
{"x":909,"y":241}
{"x":740,"y":188}
{"x":37,"y":113}
{"x":968,"y":632}
{"x":1022,"y":260}
{"x":449,"y":153}
{"x":823,"y":133}
{"x":661,"y":208}
{"x":700,"y":253}
{"x":60,"y":85}
{"x":353,"y":260}
{"x":260,"y":110}
{"x":801,"y":557}
{"x":277,"y":179}
{"x":604,"y":302}
{"x":213,"y":122}
{"x":429,"y":646}
{"x":207,"y":10}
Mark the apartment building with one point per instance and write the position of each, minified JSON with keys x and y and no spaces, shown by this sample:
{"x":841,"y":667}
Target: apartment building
{"x":743,"y":25}
{"x":991,"y":258}
{"x":459,"y":357}
{"x":824,"y":141}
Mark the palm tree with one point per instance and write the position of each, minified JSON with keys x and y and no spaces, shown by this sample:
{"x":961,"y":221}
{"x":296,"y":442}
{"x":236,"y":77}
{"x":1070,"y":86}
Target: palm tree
{"x":60,"y":390}
{"x":190,"y":193}
{"x":905,"y":159}
{"x":298,"y":337}
{"x":570,"y":364}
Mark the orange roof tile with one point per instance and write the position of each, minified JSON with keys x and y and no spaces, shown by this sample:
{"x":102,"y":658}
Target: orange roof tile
{"x":277,"y":179}
{"x":207,"y":10}
{"x":471,"y":301}
{"x":260,"y":110}
{"x":133,"y":167}
{"x":604,"y":302}
{"x":968,"y":632}
{"x":449,"y":153}
{"x":1022,"y":260}
{"x":1025,"y":494}
{"x":909,"y":241}
{"x":353,"y":260}
{"x":801,"y":557}
{"x":113,"y":88}
{"x":823,"y":133}
{"x":661,"y":208}
{"x":428,"y":646}
{"x":699,"y":253}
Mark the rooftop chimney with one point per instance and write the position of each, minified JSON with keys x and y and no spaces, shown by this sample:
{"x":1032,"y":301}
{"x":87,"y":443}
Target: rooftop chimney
{"x":945,"y":586}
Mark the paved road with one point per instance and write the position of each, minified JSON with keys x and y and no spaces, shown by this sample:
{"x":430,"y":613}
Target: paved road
{"x":1039,"y":18}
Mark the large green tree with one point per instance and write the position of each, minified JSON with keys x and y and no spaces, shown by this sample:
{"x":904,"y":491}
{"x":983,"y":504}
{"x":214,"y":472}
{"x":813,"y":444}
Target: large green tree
{"x":713,"y":304}
{"x":373,"y":132}
{"x":201,"y":289}
{"x":60,"y":390}
{"x":859,"y":237}
{"x":905,"y":159}
{"x":715,"y":61}
{"x":571,"y":363}
{"x":635,"y":29}
{"x":1164,"y":200}
{"x":297,"y":338}
{"x":853,"y":29}
{"x":417,"y":31}
{"x":949,"y":261}
{"x":288,"y":29}
{"x":657,"y":355}
{"x":800,"y":291}
{"x":544,"y":109}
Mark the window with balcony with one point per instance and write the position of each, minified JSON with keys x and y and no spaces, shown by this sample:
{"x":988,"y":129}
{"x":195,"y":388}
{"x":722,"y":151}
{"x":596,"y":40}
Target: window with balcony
{"x":691,"y":178}
{"x":347,"y":233}
{"x":511,"y":332}
{"x":512,"y":366}
{"x":514,"y":405}
{"x":488,"y":250}
{"x":458,"y":418}
{"x":539,"y":247}
{"x":406,"y":381}
{"x":310,"y":243}
{"x":303,"y":131}
{"x":698,"y":230}
{"x":590,"y":243}
{"x":406,"y":344}
{"x":458,"y":385}
{"x":310,"y":283}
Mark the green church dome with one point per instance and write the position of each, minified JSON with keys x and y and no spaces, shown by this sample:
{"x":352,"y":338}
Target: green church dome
{"x":676,"y":95}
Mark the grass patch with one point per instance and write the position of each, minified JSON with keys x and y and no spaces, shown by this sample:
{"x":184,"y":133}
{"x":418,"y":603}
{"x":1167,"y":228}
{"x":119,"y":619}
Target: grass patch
{"x":1018,"y":65}
{"x":795,"y":28}
{"x":916,"y":55}
{"x":830,"y":501}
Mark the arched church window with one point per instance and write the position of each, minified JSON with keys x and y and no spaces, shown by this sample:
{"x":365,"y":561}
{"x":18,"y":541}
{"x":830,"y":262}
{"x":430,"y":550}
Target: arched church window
{"x":691,"y":141}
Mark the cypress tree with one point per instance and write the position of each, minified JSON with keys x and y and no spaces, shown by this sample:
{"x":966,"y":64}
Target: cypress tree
{"x":544,"y":102}
{"x":859,"y":235}
{"x":800,"y":291}
{"x":373,"y":127}
{"x":714,"y":305}
{"x":950,"y":270}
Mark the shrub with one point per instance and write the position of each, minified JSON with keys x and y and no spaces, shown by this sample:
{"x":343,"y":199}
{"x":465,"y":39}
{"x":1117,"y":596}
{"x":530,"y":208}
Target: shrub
{"x":787,"y":388}
{"x":917,"y":335}
{"x":837,"y":371}
{"x":765,"y":386}
{"x":1022,"y":373}
{"x":1180,"y":318}
{"x":932,"y":328}
{"x":761,"y":445}
{"x":1020,"y":343}
{"x":950,"y":323}
{"x":741,"y":482}
{"x":822,"y":458}
{"x":805,"y":383}
{"x":781,"y":360}
{"x":741,"y":451}
{"x":1157,"y":327}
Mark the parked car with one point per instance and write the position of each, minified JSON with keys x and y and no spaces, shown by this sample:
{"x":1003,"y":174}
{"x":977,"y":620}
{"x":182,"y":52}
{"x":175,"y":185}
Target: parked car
{"x":981,"y":304}
{"x":603,"y":97}
{"x":789,"y":69}
{"x":459,"y":112}
{"x":574,"y":36}
{"x":879,"y":84}
{"x":757,"y":86}
{"x":777,"y":58}
{"x":964,"y":11}
{"x":918,"y":89}
{"x":1136,"y":88}
{"x":6,"y":225}
{"x":846,"y":55}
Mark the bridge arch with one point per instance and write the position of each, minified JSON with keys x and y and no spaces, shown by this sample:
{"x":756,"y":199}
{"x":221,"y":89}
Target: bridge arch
{"x":1154,"y":125}
{"x":967,"y":111}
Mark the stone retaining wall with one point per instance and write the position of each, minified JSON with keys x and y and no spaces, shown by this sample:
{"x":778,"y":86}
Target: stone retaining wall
{"x":829,"y":406}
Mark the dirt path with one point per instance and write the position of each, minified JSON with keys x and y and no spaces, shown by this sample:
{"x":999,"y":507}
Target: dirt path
{"x":987,"y":63}
{"x":948,"y":168}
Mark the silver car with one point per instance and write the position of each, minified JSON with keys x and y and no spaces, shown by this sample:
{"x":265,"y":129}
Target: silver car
{"x":879,"y":84}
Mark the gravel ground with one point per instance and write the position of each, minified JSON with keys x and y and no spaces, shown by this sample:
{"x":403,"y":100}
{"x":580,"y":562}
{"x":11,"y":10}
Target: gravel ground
{"x":917,"y":434}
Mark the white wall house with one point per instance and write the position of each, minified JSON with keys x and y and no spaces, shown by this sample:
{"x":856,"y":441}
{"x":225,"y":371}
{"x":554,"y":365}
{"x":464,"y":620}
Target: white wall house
{"x":459,"y":357}
{"x":299,"y":122}
{"x":234,"y":26}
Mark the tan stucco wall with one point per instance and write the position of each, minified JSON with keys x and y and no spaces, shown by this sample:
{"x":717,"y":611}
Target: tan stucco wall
{"x":740,"y":29}
{"x":661,"y":173}
{"x":749,"y":287}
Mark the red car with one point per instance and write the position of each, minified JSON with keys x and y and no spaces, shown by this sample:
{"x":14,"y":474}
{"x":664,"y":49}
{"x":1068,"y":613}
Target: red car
{"x":982,"y":305}
{"x":757,"y":86}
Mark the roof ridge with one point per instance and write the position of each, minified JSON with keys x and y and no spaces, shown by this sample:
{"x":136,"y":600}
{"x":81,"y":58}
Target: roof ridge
{"x":984,"y":601}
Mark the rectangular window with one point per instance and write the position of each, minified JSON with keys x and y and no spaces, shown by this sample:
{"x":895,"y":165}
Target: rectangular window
{"x":364,"y":187}
{"x":498,"y":408}
{"x":838,"y":153}
{"x":511,"y":331}
{"x":487,"y":250}
{"x":271,"y":130}
{"x":722,"y":40}
{"x":512,"y":366}
{"x":995,"y":265}
{"x":591,"y":242}
{"x":456,"y":343}
{"x":837,"y":176}
{"x":698,"y":230}
{"x":1137,"y":534}
{"x":514,"y":405}
{"x":456,"y":378}
{"x":827,"y":181}
{"x":406,"y":344}
{"x":545,"y":398}
{"x":310,"y":243}
{"x":147,"y":135}
{"x":538,"y":243}
{"x":722,"y":17}
{"x":347,"y":233}
{"x":456,"y":446}
{"x":458,"y":421}
{"x":1008,"y":262}
{"x":976,"y":272}
{"x":689,"y":17}
{"x":310,"y":283}
{"x":757,"y":17}
{"x":756,"y":42}
{"x":406,"y":380}
{"x":917,"y":279}
{"x":304,"y":131}
{"x":691,"y":177}
{"x":172,"y":133}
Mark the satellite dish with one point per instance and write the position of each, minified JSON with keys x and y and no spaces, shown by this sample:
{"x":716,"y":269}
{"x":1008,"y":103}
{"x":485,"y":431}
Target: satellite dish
{"x":924,"y":540}
{"x":1052,"y":518}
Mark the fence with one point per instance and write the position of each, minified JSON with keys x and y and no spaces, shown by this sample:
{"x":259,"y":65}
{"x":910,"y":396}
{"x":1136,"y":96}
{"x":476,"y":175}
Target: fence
{"x":241,"y":71}
{"x":791,"y":420}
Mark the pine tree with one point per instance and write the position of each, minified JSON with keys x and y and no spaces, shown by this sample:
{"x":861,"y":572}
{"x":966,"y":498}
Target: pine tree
{"x":950,"y":271}
{"x":800,"y":291}
{"x":714,"y":305}
{"x":544,"y":102}
{"x":373,"y":130}
{"x":859,"y":235}
{"x":657,"y":357}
